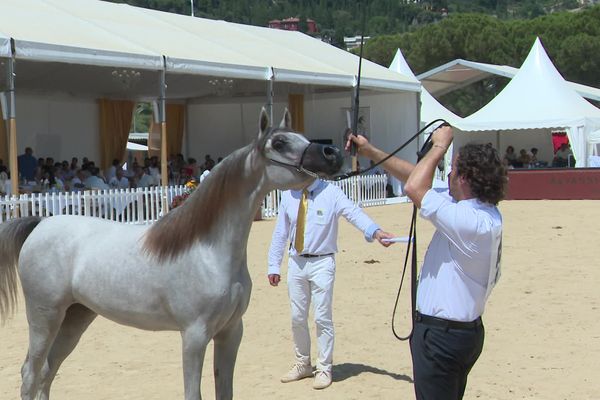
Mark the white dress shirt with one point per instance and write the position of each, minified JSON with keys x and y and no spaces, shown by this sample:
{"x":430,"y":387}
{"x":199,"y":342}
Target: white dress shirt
{"x":462,"y":263}
{"x":117,"y":183}
{"x":326,"y":203}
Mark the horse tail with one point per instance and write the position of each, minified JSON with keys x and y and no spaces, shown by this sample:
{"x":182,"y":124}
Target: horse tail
{"x":12,"y":236}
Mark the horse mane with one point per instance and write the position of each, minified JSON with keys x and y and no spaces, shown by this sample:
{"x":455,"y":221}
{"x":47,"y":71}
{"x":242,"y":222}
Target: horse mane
{"x":180,"y":228}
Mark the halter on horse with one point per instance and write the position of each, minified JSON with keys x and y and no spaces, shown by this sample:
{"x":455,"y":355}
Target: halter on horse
{"x":187,"y":272}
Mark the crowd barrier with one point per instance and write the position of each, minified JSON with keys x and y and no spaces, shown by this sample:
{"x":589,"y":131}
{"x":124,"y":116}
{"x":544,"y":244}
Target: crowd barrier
{"x":146,"y":205}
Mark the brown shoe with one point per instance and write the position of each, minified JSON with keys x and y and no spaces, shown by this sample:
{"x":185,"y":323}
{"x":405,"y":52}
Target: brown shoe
{"x":297,"y":372}
{"x":322,"y":379}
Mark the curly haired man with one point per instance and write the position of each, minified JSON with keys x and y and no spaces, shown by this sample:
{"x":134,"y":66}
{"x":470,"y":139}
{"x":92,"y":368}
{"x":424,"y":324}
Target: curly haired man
{"x":462,"y":263}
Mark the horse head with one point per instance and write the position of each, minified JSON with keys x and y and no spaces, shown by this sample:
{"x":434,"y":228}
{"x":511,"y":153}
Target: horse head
{"x":292,"y":160}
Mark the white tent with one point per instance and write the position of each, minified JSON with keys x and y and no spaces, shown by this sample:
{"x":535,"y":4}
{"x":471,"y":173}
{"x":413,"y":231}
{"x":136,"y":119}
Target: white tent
{"x":538,"y":100}
{"x":69,"y":53}
{"x":4,"y":46}
{"x":431,"y":109}
{"x":460,"y":73}
{"x":98,"y":33}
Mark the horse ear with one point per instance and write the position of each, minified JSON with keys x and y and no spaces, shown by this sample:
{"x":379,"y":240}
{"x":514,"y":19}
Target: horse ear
{"x":263,"y":122}
{"x":286,"y":121}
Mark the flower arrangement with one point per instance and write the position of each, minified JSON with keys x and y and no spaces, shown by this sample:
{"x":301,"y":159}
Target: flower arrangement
{"x":189,"y":188}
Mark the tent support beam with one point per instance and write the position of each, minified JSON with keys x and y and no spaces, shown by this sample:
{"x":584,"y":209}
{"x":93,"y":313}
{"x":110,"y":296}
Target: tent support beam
{"x":12,"y":128}
{"x":162,"y":117}
{"x":163,"y":132}
{"x":270,"y":100}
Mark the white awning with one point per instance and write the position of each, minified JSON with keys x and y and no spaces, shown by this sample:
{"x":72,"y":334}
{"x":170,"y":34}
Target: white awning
{"x":4,"y":46}
{"x":459,"y":73}
{"x":98,"y":33}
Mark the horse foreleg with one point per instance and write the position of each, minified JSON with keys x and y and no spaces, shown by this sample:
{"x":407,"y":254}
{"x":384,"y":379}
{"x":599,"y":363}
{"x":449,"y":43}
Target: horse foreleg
{"x":43,"y":327}
{"x":227,"y":343}
{"x":76,"y":321}
{"x":194,"y":342}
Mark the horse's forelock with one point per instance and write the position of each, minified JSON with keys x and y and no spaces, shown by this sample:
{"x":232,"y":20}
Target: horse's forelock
{"x":177,"y":231}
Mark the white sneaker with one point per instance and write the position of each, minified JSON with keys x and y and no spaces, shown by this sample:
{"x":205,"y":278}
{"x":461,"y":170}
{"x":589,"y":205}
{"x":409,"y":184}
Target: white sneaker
{"x":322,"y":379}
{"x":298,"y":371}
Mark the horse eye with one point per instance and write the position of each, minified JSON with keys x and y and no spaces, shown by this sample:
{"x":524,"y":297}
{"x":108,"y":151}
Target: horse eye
{"x":278,"y":143}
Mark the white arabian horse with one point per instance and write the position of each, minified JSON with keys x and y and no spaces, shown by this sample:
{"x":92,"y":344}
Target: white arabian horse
{"x":187,"y":272}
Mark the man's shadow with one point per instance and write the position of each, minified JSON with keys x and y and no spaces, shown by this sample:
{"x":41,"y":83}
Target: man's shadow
{"x":348,"y":370}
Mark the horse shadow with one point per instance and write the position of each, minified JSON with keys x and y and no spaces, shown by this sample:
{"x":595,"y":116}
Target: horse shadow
{"x":348,"y":370}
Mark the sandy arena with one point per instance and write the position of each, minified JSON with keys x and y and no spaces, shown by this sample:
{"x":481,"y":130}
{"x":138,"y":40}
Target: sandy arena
{"x":542,"y":323}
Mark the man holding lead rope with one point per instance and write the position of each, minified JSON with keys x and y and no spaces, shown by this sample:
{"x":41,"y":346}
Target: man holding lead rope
{"x":462,"y":262}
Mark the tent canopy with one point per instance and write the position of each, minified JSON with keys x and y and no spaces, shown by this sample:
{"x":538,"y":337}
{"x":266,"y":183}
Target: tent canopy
{"x":459,"y":73}
{"x":431,"y":109}
{"x":538,"y":98}
{"x":4,"y":46}
{"x":84,"y":43}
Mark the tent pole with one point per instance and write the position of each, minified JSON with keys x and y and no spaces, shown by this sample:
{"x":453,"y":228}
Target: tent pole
{"x":164,"y":176}
{"x":270,"y":99}
{"x":12,"y":128}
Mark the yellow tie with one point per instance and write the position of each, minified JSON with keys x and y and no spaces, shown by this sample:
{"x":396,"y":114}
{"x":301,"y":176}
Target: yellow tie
{"x":301,"y":222}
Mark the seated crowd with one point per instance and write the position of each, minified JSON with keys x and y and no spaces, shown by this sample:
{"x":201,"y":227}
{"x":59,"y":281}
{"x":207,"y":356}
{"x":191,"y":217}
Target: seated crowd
{"x":563,"y":157}
{"x":46,"y":175}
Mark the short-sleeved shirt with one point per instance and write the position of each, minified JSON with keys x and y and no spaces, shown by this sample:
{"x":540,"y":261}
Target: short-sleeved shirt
{"x":462,"y":263}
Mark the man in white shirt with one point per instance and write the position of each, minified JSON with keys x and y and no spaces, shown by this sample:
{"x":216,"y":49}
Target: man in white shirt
{"x":94,"y":181}
{"x":119,"y":181}
{"x":462,"y":263}
{"x":311,"y":269}
{"x":143,"y":178}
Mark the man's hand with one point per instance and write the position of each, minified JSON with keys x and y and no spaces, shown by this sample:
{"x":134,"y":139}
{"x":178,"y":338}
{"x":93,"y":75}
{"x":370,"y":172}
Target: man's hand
{"x":274,"y":279}
{"x":380,"y":235}
{"x":361,"y":142}
{"x":442,"y":136}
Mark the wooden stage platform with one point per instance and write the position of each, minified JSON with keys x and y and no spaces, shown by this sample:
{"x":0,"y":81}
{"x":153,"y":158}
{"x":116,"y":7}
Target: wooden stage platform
{"x":554,"y":184}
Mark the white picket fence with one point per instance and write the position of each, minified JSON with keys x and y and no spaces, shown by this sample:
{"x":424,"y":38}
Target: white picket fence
{"x":146,"y":205}
{"x":365,"y":191}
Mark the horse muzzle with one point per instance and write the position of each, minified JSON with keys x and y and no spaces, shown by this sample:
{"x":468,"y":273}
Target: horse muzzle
{"x":324,"y":160}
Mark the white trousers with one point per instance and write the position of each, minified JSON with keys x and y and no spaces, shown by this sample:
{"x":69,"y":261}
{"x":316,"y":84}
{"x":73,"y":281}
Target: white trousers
{"x":311,"y":279}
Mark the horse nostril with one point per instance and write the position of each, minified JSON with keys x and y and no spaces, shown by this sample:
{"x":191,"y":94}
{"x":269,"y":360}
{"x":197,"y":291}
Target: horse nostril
{"x":330,"y":151}
{"x":333,"y":154}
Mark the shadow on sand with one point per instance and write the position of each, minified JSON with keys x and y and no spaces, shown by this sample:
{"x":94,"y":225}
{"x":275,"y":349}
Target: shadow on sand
{"x":348,"y":370}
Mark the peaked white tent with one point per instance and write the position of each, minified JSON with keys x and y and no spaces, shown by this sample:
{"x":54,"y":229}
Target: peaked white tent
{"x":431,"y":109}
{"x":537,"y":99}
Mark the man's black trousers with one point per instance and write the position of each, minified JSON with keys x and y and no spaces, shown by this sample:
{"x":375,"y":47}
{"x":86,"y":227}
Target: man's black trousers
{"x":442,"y":358}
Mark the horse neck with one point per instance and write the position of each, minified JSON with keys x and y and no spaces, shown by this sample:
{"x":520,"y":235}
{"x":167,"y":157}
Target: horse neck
{"x":219,"y":213}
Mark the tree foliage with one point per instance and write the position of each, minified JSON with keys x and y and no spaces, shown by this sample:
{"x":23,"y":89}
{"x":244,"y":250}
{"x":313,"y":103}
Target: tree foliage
{"x":572,"y":41}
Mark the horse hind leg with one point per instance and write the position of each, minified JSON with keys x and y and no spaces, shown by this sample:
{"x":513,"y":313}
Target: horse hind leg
{"x":77,"y":319}
{"x":44,"y":323}
{"x":227,"y":343}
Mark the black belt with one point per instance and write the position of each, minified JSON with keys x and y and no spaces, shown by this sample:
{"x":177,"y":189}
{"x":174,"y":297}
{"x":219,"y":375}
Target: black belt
{"x":315,"y":255}
{"x":446,"y":323}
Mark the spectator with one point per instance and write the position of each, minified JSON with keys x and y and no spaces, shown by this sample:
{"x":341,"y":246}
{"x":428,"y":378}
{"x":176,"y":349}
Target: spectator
{"x":27,"y":165}
{"x":119,"y":181}
{"x":94,"y":181}
{"x":510,"y":156}
{"x":524,"y":159}
{"x":563,"y":157}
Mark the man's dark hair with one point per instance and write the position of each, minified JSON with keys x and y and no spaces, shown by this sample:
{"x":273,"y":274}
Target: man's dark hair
{"x":481,"y":166}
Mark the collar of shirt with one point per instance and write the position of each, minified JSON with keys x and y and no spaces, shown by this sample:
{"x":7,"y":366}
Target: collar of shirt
{"x":317,"y":184}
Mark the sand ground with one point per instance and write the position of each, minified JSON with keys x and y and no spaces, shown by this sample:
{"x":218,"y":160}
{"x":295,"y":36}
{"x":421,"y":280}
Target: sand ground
{"x":542,"y":323}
